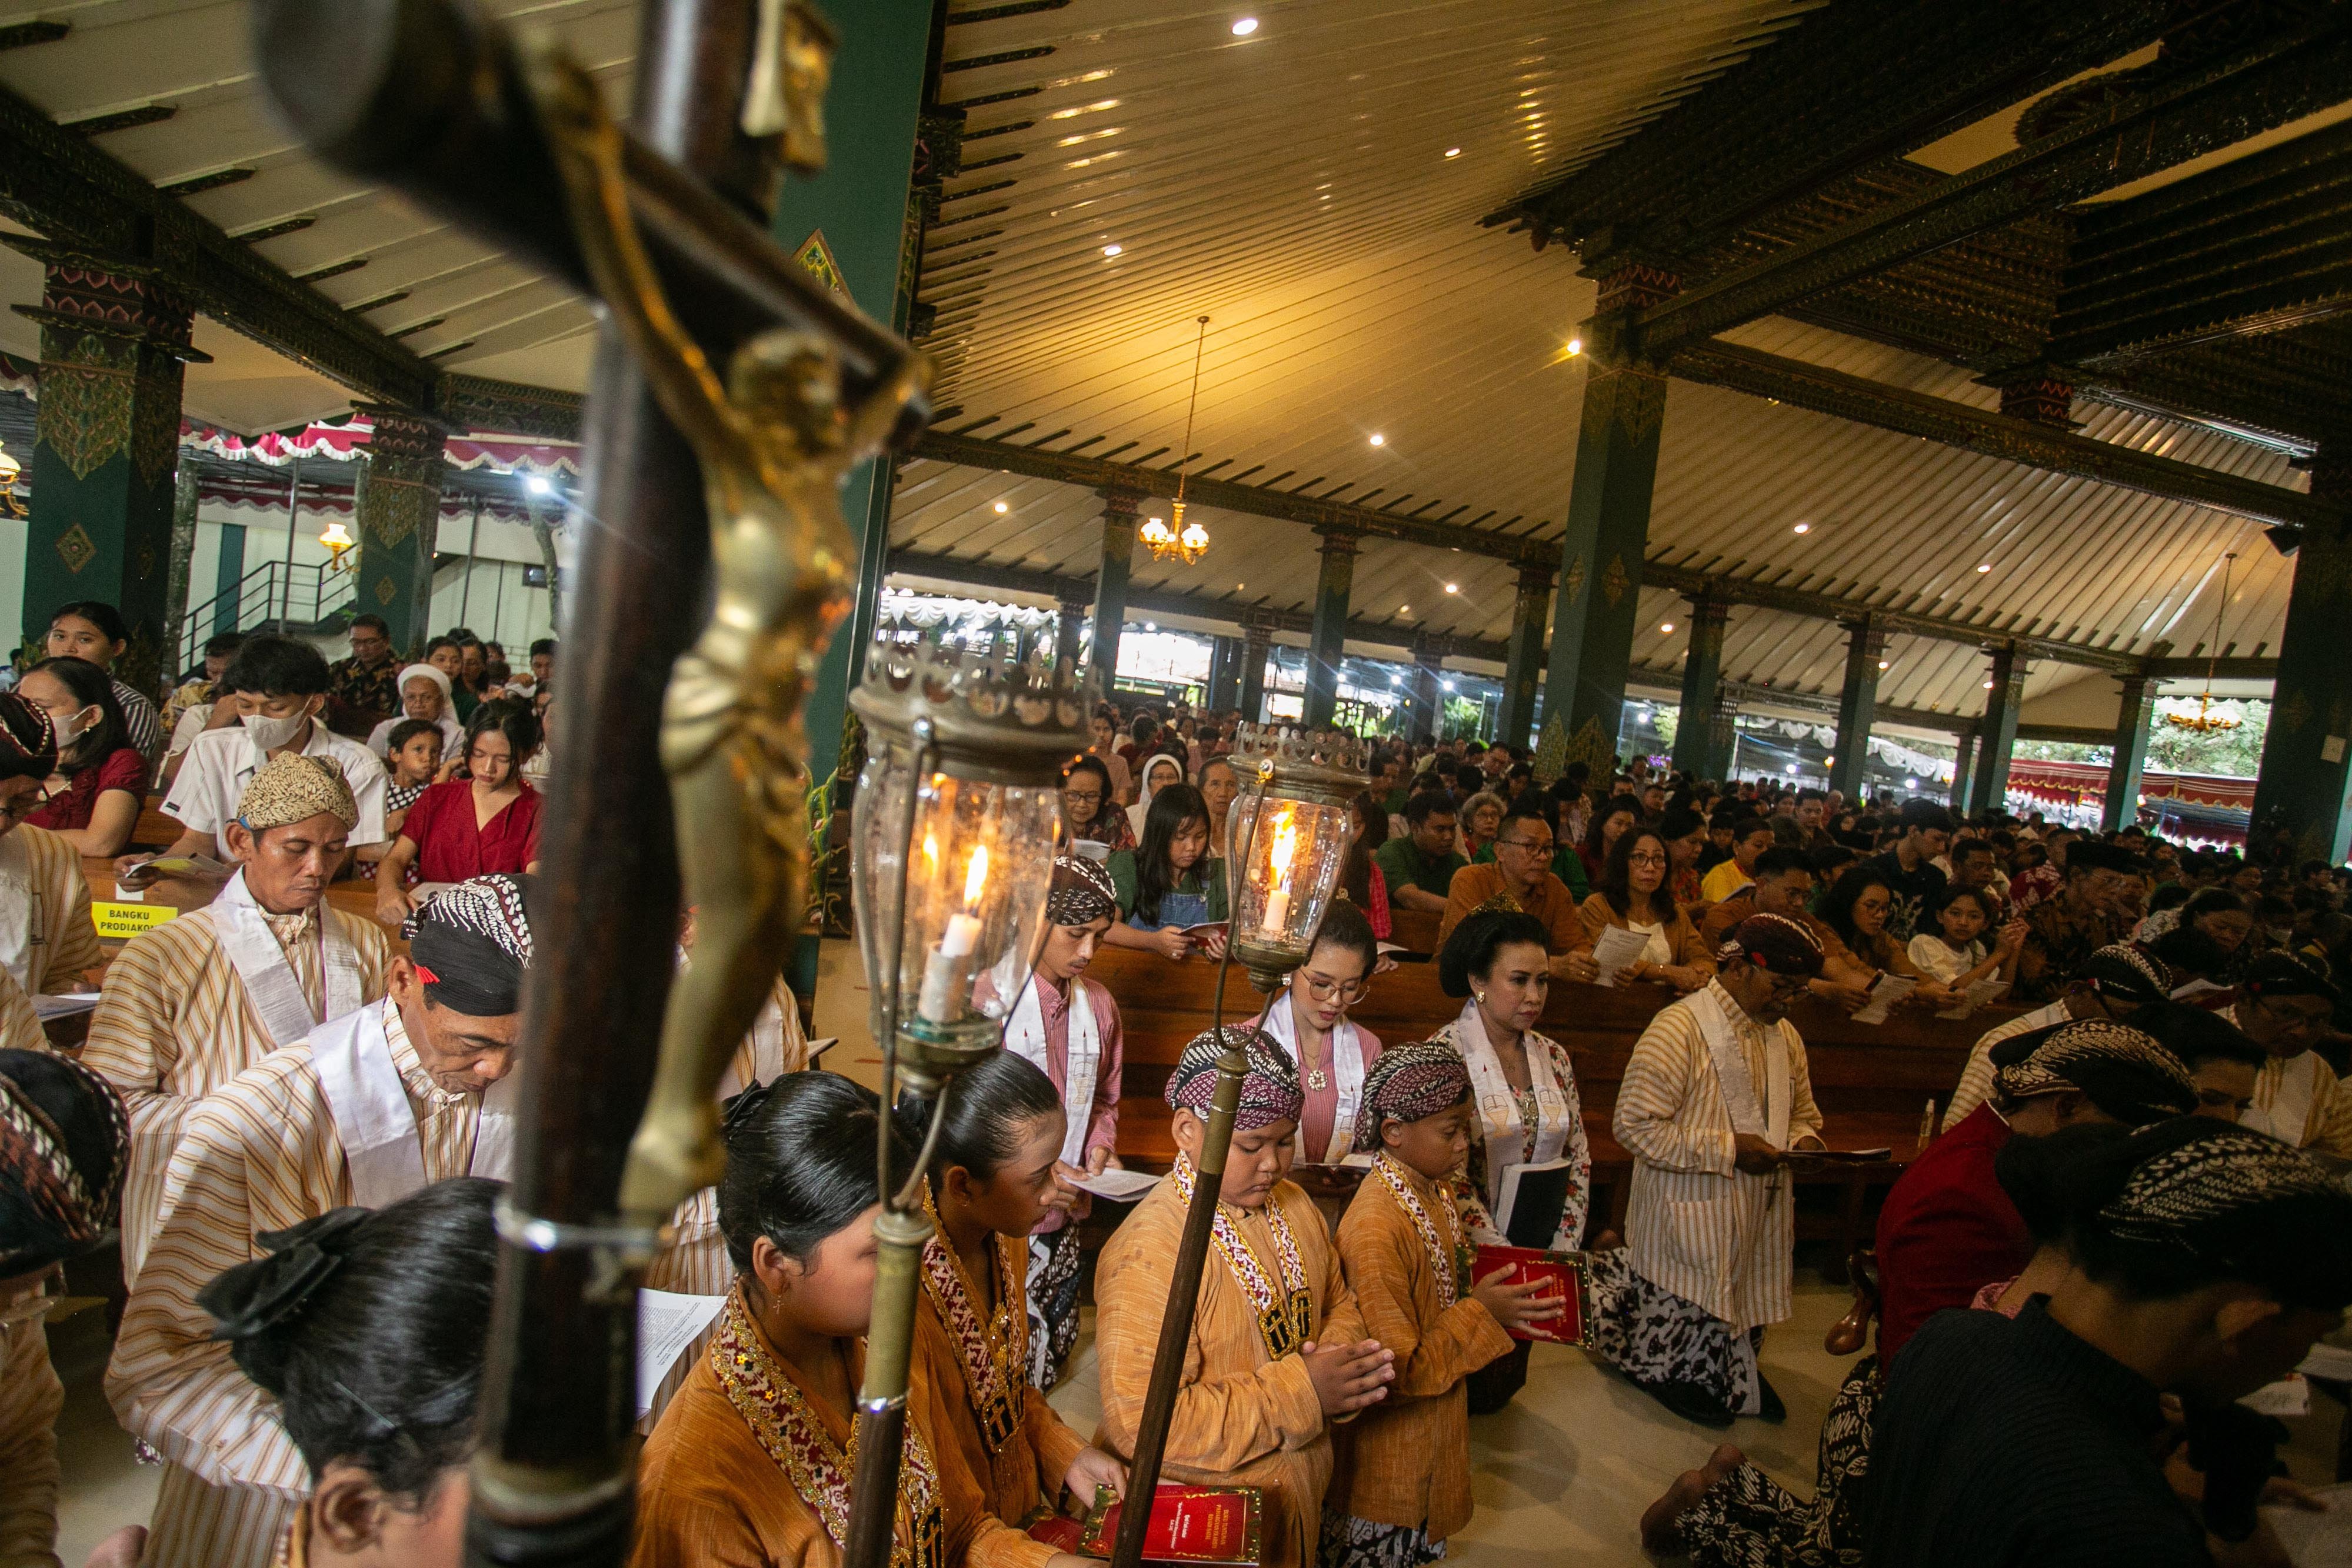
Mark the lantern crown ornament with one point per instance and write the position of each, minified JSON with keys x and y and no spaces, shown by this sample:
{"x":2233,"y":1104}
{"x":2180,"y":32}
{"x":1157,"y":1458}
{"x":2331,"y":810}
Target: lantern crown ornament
{"x":961,"y":784}
{"x":1288,"y":835}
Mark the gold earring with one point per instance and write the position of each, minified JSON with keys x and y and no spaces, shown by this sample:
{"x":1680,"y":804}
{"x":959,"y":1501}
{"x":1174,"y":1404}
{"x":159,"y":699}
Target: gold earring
{"x":1482,"y":998}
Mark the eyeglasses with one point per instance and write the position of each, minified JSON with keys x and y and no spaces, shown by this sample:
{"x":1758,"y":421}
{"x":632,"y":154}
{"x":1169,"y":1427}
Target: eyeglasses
{"x":1645,"y":857}
{"x":1324,"y":990}
{"x":1088,"y":797}
{"x":1537,"y":846}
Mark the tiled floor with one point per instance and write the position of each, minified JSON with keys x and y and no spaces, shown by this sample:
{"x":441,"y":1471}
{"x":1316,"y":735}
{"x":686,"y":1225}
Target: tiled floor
{"x":1562,"y":1475}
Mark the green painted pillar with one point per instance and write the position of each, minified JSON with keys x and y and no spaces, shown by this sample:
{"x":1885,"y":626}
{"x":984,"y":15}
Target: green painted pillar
{"x":181,"y":641}
{"x":106,"y":448}
{"x":1257,"y":647}
{"x":1997,"y":731}
{"x":1601,"y":557}
{"x":1225,"y":673}
{"x":1070,"y":633}
{"x":1428,"y":687}
{"x":1326,"y":642}
{"x":1524,"y":654}
{"x":1702,"y":739}
{"x":1963,"y":767}
{"x":2306,"y":768}
{"x":228,"y":579}
{"x":1866,"y":649}
{"x":398,"y":506}
{"x":2132,"y":717}
{"x":856,"y":228}
{"x":1119,"y":510}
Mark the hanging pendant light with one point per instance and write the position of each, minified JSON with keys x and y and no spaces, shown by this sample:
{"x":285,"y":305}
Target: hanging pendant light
{"x":2205,"y":721}
{"x":1177,"y":539}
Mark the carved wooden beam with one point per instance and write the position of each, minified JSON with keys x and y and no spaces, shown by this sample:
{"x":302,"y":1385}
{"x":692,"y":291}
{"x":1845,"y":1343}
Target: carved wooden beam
{"x":2179,"y":114}
{"x":2226,"y":669}
{"x":1957,"y":425}
{"x":509,"y":407}
{"x":54,"y":180}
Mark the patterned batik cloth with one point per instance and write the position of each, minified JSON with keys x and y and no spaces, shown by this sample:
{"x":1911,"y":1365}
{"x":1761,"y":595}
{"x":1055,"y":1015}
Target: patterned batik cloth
{"x":1655,"y":1336}
{"x":1353,"y":1542}
{"x":1053,"y":1305}
{"x":1747,"y":1519}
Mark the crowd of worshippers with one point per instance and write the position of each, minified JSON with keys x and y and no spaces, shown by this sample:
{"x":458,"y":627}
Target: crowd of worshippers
{"x":2134,"y":1216}
{"x":445,"y":756}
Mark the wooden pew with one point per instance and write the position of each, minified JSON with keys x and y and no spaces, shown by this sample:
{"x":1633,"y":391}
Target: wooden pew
{"x":1415,"y":930}
{"x":1872,"y":1082}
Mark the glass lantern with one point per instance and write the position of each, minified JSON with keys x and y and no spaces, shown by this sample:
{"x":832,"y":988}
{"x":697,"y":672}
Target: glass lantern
{"x":952,"y":840}
{"x":1288,"y":838}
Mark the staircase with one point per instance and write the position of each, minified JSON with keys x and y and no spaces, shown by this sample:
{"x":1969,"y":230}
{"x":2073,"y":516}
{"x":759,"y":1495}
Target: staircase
{"x":273,"y":597}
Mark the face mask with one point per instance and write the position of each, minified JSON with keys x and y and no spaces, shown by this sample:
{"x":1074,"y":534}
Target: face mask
{"x":269,"y":733}
{"x":71,"y":730}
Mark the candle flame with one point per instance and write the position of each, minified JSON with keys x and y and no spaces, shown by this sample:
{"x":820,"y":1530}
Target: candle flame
{"x":976,"y":878}
{"x":931,"y":851}
{"x":1285,"y":844}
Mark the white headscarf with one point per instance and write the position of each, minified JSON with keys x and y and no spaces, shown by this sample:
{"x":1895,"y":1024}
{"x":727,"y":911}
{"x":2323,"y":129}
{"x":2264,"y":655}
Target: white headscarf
{"x":432,"y":674}
{"x":1143,"y":802}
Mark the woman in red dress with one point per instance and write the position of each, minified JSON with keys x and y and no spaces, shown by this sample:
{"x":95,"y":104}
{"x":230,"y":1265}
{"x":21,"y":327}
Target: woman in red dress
{"x":101,"y":780}
{"x":484,"y":821}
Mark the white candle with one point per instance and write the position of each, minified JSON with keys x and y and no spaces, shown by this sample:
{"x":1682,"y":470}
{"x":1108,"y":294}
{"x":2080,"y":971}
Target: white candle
{"x":1277,"y":911}
{"x":963,"y":936}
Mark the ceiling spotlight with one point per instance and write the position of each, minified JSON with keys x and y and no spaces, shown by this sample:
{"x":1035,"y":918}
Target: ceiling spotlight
{"x":1003,"y":507}
{"x":1244,"y":26}
{"x":1454,"y":152}
{"x":1803,"y":528}
{"x":1881,"y":664}
{"x":1575,"y":346}
{"x":537,"y":486}
{"x":1110,"y":250}
{"x":1239,"y":586}
{"x":1983,"y":567}
{"x":1404,"y":609}
{"x":1447,"y":685}
{"x":1665,"y":625}
{"x":1453,"y":588}
{"x":1148,"y":626}
{"x":1988,"y":686}
{"x":1380,"y":440}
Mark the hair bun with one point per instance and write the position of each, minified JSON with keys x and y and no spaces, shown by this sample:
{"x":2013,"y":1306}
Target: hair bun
{"x":253,"y":1298}
{"x":737,"y":1110}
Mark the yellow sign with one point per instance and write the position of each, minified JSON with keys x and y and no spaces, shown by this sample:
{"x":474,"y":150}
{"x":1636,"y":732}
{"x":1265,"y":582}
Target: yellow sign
{"x":121,"y":922}
{"x":818,"y":256}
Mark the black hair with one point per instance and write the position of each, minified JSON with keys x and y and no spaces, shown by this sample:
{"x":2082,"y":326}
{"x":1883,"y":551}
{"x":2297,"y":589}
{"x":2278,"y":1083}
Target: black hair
{"x":221,"y":643}
{"x":1094,"y":765}
{"x":1469,"y":952}
{"x":277,"y":667}
{"x":1926,"y":816}
{"x":98,"y":613}
{"x":372,"y":621}
{"x":508,"y":716}
{"x":1600,"y":815}
{"x":443,"y":641}
{"x":986,"y":1108}
{"x":2214,"y":901}
{"x":1615,"y":881}
{"x":544,"y":645}
{"x":1966,"y":848}
{"x":2171,"y":895}
{"x":1172,"y":806}
{"x":377,"y":1363}
{"x":1679,"y":822}
{"x":91,"y":688}
{"x":1749,"y":826}
{"x":2196,"y":1035}
{"x":1780,"y":859}
{"x":2187,"y":948}
{"x":2032,"y":1173}
{"x":800,"y":1163}
{"x":2295,"y":1249}
{"x":1424,"y":804}
{"x":1345,"y":926}
{"x":1954,"y":891}
{"x":1836,"y":908}
{"x":408,"y":729}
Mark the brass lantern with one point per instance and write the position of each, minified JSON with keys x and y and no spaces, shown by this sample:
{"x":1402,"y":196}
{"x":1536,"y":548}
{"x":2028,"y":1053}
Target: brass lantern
{"x":956,"y":810}
{"x":1290,"y":830}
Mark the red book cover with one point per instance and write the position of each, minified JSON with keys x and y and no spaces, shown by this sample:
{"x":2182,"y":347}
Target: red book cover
{"x":1057,"y":1531}
{"x":1223,"y":1525}
{"x":1565,"y":1271}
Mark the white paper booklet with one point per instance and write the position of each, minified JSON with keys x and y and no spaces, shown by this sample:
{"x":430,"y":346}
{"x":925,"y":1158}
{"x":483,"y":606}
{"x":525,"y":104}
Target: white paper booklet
{"x":1890,"y":990}
{"x":668,"y":1325}
{"x":1616,"y":948}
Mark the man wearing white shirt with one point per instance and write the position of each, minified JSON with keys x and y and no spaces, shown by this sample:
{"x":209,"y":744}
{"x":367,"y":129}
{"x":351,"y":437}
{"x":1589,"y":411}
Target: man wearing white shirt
{"x":2285,"y":1003}
{"x":280,"y":688}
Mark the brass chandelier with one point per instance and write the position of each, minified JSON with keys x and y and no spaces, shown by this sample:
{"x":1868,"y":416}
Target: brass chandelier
{"x":2205,"y":721}
{"x":1180,"y":540}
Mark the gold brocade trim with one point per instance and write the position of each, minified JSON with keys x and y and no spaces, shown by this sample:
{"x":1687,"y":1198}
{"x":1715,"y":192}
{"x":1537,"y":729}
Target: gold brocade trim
{"x":1447,"y":1259}
{"x":773,"y":1406}
{"x":1285,"y":1321}
{"x":995,"y":1351}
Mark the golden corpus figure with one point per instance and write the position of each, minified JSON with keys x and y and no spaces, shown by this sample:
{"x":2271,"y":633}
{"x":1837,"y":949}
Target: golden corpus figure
{"x":774,"y":440}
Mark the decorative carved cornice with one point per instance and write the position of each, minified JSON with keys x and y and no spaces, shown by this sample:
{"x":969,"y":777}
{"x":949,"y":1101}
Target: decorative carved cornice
{"x":509,"y":408}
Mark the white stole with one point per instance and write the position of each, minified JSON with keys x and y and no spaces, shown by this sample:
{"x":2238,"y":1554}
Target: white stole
{"x":1025,"y":1036}
{"x":269,"y":982}
{"x":1498,"y":1106}
{"x":1767,"y":1117}
{"x":2289,"y":1111}
{"x":17,"y":896}
{"x":374,"y":1122}
{"x":1346,"y":1076}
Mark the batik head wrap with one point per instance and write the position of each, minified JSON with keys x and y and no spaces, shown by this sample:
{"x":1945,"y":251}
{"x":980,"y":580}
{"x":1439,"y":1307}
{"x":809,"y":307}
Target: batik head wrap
{"x":2126,"y":973}
{"x":29,"y":741}
{"x":1406,"y":1082}
{"x":2120,"y":1069}
{"x":63,"y":1137}
{"x":2284,"y":973}
{"x":1269,"y":1094}
{"x":471,"y":944}
{"x":1774,"y":943}
{"x":2230,"y":1201}
{"x":290,"y":788}
{"x":1082,"y":891}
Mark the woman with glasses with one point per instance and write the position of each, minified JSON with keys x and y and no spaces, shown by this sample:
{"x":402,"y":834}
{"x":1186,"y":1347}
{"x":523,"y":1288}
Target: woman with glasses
{"x":1091,"y":814}
{"x":1309,"y":1020}
{"x":1858,"y":906}
{"x":47,"y":942}
{"x":1632,"y":895}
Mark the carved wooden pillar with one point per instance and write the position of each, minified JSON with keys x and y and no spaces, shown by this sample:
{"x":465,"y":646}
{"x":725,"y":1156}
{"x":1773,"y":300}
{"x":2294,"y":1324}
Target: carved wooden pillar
{"x":1702,"y":732}
{"x":114,"y":341}
{"x":2133,"y":715}
{"x":2306,"y":768}
{"x":1524,"y":654}
{"x":1601,"y":550}
{"x":1069,"y":632}
{"x":1963,"y":768}
{"x":398,"y":503}
{"x":1998,"y":733}
{"x":1327,"y":644}
{"x":1428,"y":688}
{"x":1225,"y":673}
{"x":1258,"y":646}
{"x":1866,"y":647}
{"x":1119,"y":510}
